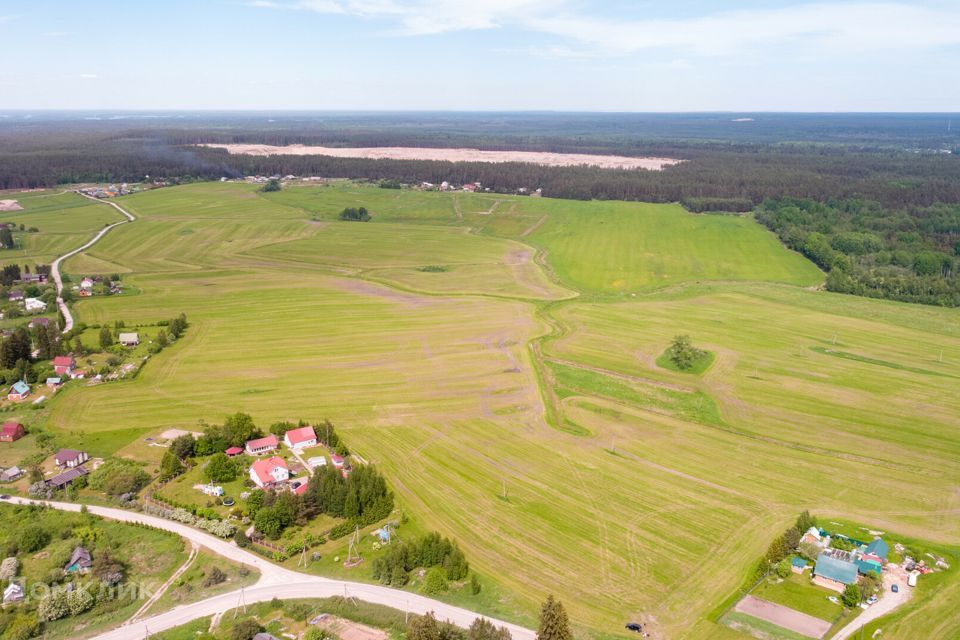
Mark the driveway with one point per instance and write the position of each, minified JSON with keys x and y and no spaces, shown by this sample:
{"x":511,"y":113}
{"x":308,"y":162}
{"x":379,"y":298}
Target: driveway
{"x":893,"y":574}
{"x":275,"y":582}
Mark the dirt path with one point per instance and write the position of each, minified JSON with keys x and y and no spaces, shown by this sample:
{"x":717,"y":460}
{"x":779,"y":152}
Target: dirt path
{"x":55,"y":265}
{"x":784,"y":617}
{"x":194,"y":550}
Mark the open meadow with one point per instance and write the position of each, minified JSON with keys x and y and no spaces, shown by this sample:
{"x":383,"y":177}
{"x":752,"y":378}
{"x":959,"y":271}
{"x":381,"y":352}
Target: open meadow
{"x":496,"y":356}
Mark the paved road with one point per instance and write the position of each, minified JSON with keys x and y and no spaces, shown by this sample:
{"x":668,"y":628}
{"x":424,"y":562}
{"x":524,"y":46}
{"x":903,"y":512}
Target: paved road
{"x":55,"y":265}
{"x":893,"y":574}
{"x":275,"y":582}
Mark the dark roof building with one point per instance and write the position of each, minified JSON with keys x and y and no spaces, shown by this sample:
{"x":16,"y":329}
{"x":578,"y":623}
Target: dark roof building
{"x":878,"y":548}
{"x":61,"y":480}
{"x":79,"y":561}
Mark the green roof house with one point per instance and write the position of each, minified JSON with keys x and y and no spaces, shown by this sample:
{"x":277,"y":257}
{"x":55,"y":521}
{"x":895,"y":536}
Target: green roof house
{"x":834,"y":573}
{"x":866,"y":566}
{"x":878,"y":548}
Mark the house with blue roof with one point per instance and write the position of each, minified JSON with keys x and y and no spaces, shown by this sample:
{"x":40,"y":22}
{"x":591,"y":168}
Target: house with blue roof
{"x":19,"y":391}
{"x":877,"y":548}
{"x":798,"y":564}
{"x":834,"y":573}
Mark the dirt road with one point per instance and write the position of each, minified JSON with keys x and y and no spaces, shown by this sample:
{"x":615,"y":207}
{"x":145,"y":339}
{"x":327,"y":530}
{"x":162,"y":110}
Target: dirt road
{"x":893,"y":575}
{"x":55,"y":265}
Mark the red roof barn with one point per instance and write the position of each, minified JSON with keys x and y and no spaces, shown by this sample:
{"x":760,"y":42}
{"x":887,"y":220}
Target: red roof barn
{"x":11,"y":431}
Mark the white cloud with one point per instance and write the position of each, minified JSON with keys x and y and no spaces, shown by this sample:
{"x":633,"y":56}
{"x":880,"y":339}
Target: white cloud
{"x":827,"y":26}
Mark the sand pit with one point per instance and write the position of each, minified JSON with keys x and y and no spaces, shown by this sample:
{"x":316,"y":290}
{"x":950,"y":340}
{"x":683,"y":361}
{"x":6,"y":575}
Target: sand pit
{"x":454,"y":155}
{"x":10,"y":205}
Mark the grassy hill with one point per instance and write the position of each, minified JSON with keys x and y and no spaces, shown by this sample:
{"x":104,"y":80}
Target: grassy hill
{"x":633,"y":492}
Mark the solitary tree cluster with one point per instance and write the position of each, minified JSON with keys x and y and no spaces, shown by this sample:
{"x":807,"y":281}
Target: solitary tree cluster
{"x":683,"y":354}
{"x":354,"y":214}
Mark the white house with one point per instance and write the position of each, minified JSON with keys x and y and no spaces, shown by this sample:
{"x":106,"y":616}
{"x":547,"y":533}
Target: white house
{"x":129,"y":339}
{"x":300,"y":438}
{"x":86,"y":283}
{"x":269,"y":471}
{"x":13,"y":593}
{"x":34,"y":305}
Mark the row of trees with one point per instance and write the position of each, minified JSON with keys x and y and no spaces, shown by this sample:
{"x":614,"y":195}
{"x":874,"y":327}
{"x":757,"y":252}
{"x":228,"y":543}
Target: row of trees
{"x":910,"y":254}
{"x":553,"y":625}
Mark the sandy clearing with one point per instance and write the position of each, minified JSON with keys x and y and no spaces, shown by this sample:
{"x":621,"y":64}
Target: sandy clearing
{"x":784,"y":617}
{"x":453,"y":155}
{"x":10,"y":205}
{"x":349,"y":630}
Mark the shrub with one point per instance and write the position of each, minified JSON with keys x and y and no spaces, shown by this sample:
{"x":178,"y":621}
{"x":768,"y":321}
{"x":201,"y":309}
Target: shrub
{"x":33,"y":538}
{"x":213,"y":577}
{"x":79,"y":600}
{"x":53,"y":606}
{"x":435,"y":581}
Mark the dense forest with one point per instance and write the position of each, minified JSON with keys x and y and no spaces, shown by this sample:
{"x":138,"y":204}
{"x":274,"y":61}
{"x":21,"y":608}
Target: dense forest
{"x":910,"y":254}
{"x":871,"y":157}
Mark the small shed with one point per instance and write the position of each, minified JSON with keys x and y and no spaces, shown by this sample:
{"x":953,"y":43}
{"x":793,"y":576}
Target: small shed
{"x":233,"y":452}
{"x":80,"y":561}
{"x":19,"y":391}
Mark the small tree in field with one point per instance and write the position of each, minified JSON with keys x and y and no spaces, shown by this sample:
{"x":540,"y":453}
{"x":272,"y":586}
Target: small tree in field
{"x":270,"y":186}
{"x":683,"y":354}
{"x":106,"y":338}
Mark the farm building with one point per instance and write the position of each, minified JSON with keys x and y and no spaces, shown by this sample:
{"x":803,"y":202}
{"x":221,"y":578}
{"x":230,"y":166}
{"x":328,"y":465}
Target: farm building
{"x":299,"y":438}
{"x":19,"y":391}
{"x":233,"y":452}
{"x":80,"y":561}
{"x":834,"y":573}
{"x":317,"y":461}
{"x":877,"y":548}
{"x":61,"y":480}
{"x":70,"y":458}
{"x":262,"y":445}
{"x":11,"y":474}
{"x":54,"y":383}
{"x":130,"y":339}
{"x":867,"y":565}
{"x":63,"y":365}
{"x":11,"y":431}
{"x":798,"y":564}
{"x":269,"y":471}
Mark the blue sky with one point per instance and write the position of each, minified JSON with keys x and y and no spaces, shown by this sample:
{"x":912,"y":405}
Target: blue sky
{"x":677,"y":55}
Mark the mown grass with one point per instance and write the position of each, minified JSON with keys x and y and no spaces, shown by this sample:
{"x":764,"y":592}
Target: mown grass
{"x":797,"y":592}
{"x":672,"y":486}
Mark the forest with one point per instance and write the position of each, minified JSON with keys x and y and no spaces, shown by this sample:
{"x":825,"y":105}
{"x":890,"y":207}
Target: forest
{"x":909,"y":253}
{"x":896,"y":162}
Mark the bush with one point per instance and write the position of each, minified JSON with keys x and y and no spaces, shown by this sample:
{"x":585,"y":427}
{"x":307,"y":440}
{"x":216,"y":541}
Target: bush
{"x":79,"y":600}
{"x":213,"y":577}
{"x":851,"y":595}
{"x":783,"y":568}
{"x":33,"y":538}
{"x":355,"y":215}
{"x":245,"y":629}
{"x":53,"y":606}
{"x":435,"y":581}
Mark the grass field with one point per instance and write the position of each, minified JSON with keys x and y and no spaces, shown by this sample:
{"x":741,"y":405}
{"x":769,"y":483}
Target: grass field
{"x":632,"y":491}
{"x":797,"y":592}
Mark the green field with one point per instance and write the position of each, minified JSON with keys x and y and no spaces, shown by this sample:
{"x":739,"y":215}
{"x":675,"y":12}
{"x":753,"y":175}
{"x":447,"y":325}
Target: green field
{"x":633,"y":491}
{"x":797,"y":592}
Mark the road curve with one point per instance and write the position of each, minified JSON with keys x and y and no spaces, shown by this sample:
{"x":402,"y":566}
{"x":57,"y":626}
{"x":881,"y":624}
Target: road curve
{"x":55,"y":265}
{"x":275,"y":582}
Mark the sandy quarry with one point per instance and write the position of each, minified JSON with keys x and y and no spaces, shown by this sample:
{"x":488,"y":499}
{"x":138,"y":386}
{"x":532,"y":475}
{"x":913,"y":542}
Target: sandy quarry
{"x":454,"y":155}
{"x":10,"y":205}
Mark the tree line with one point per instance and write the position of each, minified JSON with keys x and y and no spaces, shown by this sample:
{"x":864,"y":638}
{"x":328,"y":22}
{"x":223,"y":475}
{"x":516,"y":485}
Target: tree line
{"x":910,"y":254}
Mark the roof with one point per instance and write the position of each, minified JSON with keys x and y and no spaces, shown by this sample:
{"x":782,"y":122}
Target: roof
{"x":63,"y":361}
{"x":798,"y":562}
{"x":263,"y":468}
{"x":68,"y":476}
{"x":301,"y":488}
{"x":11,"y":472}
{"x":20,"y":387}
{"x":303,"y":434}
{"x":869,"y":566}
{"x":265,"y":636}
{"x":128,"y":337}
{"x":232,"y":451}
{"x":878,"y":547}
{"x":80,"y":557}
{"x":268,"y":441}
{"x":54,"y":380}
{"x":66,"y":455}
{"x":10,"y":428}
{"x":834,"y":569}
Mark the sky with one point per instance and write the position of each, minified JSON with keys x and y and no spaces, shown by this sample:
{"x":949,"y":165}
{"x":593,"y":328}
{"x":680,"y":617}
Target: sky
{"x":481,"y":55}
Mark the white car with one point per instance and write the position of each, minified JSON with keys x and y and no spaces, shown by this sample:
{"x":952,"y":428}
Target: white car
{"x":872,"y":600}
{"x":833,"y":599}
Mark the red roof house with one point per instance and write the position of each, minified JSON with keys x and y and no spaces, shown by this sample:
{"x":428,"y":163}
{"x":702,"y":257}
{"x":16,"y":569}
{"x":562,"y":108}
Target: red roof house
{"x":63,"y":365}
{"x":302,"y":437}
{"x":262,"y":445}
{"x":301,"y":488}
{"x":269,"y":471}
{"x":233,"y":451}
{"x":11,"y":431}
{"x":337,"y":461}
